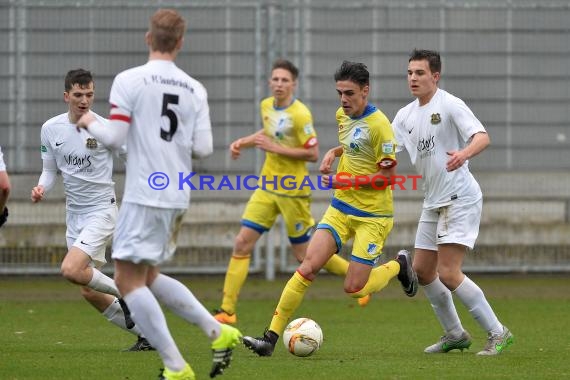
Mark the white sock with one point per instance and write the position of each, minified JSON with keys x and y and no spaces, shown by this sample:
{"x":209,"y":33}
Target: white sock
{"x":114,"y":314}
{"x":103,"y":283}
{"x":474,"y":300}
{"x":178,"y":298}
{"x":148,"y":316}
{"x":442,"y":303}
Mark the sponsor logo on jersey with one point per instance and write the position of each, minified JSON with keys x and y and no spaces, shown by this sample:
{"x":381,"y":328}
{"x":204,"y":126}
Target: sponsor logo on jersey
{"x":79,"y":162}
{"x":425,"y":145}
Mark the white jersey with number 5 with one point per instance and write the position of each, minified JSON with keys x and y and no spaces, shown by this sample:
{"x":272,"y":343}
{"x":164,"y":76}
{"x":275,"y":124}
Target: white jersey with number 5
{"x":428,"y":132}
{"x":166,"y":109}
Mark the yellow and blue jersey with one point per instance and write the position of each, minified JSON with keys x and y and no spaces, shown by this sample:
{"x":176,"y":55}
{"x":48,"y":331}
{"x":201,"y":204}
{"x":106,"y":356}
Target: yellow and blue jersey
{"x":292,"y":127}
{"x":366,"y":141}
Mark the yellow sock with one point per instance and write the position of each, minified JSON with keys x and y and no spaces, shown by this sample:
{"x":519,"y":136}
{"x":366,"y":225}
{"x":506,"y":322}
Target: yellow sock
{"x":238,"y":269}
{"x":290,"y":300}
{"x":336,"y":265}
{"x":378,"y":279}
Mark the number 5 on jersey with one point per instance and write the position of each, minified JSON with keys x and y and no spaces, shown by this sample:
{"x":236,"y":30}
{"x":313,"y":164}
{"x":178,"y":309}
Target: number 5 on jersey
{"x":166,"y":100}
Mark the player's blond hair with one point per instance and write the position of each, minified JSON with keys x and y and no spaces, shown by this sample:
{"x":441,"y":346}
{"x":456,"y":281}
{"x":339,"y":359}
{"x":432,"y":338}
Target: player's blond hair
{"x":167,"y":27}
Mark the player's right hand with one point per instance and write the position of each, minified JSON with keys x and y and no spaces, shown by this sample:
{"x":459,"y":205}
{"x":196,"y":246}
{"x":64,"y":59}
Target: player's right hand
{"x":37,"y":194}
{"x":235,"y":149}
{"x":327,"y":162}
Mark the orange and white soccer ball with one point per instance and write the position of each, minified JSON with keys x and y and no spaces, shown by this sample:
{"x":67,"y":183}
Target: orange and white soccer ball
{"x":303,"y":337}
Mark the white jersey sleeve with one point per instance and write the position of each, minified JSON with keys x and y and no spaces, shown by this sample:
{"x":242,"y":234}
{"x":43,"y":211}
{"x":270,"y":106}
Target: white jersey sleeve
{"x":464,"y":119}
{"x":167,"y":109}
{"x":398,"y":134}
{"x":2,"y":164}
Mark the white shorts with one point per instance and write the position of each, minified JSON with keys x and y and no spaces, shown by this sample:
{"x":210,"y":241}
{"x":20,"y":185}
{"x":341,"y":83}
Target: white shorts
{"x":91,"y":231}
{"x":454,"y":224}
{"x":146,"y":234}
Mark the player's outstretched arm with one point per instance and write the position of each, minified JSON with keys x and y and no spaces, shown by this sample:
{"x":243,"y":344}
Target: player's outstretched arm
{"x":243,"y":142}
{"x":46,"y":181}
{"x":112,"y":134}
{"x":328,"y":159}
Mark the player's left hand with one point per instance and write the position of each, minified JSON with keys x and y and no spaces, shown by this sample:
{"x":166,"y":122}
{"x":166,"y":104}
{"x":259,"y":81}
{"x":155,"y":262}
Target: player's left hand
{"x":456,"y":160}
{"x":85,"y":120}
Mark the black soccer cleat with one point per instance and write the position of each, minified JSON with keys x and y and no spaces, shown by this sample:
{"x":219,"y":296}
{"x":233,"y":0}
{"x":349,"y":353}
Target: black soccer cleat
{"x":263,"y":346}
{"x":140,"y":345}
{"x":128,"y":320}
{"x":407,"y":275}
{"x":4,"y":216}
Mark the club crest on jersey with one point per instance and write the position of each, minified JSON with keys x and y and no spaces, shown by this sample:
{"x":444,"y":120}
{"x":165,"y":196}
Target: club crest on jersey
{"x":435,"y":118}
{"x":355,"y":137}
{"x":91,"y":143}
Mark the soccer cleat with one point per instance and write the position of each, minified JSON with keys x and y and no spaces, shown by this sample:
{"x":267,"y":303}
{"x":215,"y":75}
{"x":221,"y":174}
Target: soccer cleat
{"x":497,"y":343}
{"x":128,"y":320}
{"x":222,"y":348}
{"x":185,"y":374}
{"x":363,"y":301}
{"x":407,"y":275}
{"x":140,"y":345}
{"x":224,"y":317}
{"x":263,"y":346}
{"x":447,"y":344}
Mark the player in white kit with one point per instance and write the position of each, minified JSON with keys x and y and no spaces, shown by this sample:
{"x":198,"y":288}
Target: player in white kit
{"x":441,"y":134}
{"x":4,"y":190}
{"x":163,"y":115}
{"x":86,"y":166}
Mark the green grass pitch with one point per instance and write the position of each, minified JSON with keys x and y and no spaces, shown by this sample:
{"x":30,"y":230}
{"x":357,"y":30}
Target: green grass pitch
{"x":48,"y":332}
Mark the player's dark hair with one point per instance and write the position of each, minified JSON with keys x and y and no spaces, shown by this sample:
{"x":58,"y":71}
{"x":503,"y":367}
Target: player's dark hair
{"x":353,"y":71}
{"x":432,"y":56}
{"x":77,"y":76}
{"x":286,"y":65}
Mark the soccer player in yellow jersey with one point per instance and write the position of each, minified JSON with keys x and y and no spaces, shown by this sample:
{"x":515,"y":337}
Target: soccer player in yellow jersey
{"x":361,"y":207}
{"x":289,"y":141}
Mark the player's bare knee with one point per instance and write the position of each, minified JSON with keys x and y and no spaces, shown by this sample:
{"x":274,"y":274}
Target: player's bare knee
{"x":242,"y":246}
{"x":69,"y":272}
{"x":425,"y":275}
{"x":451,"y":279}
